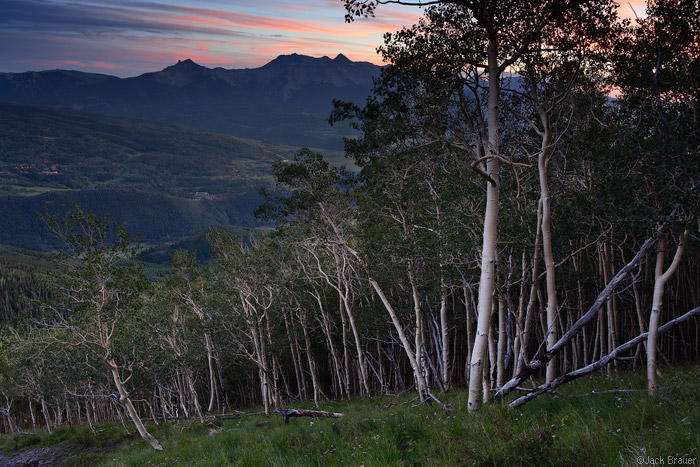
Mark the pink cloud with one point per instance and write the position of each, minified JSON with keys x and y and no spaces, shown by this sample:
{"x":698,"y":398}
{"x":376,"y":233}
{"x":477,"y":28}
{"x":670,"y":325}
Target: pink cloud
{"x":95,"y":64}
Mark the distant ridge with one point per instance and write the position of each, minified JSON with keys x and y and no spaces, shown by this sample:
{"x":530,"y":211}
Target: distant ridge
{"x":287,"y":100}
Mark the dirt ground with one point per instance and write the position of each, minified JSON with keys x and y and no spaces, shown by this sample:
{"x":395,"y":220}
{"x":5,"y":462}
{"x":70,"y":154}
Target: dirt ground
{"x":45,"y":456}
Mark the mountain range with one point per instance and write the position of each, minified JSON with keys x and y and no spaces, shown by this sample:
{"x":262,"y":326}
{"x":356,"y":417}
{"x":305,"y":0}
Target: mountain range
{"x":287,"y":101}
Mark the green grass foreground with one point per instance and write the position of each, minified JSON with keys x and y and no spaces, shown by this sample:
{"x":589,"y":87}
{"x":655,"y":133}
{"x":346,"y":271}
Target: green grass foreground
{"x":574,"y":427}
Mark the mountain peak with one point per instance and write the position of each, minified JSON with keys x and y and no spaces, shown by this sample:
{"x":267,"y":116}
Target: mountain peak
{"x":185,"y":72}
{"x":341,"y":58}
{"x":186,"y":64}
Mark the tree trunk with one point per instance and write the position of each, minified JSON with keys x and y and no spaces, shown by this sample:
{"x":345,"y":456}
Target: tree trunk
{"x":210,"y":366}
{"x":422,"y":386}
{"x":543,"y":165}
{"x":585,"y":319}
{"x":657,"y":303}
{"x":47,"y":416}
{"x":129,"y":407}
{"x":614,"y":354}
{"x":445,"y":338}
{"x":502,"y":341}
{"x":488,"y":250}
{"x":309,"y":356}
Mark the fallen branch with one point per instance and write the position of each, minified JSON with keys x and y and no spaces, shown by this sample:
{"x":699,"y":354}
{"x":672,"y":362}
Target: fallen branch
{"x":286,"y":413}
{"x":6,"y":413}
{"x":535,"y":364}
{"x":392,"y":404}
{"x":600,"y":363}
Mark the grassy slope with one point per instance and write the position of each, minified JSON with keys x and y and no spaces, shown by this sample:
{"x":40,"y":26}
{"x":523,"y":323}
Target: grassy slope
{"x":574,"y":427}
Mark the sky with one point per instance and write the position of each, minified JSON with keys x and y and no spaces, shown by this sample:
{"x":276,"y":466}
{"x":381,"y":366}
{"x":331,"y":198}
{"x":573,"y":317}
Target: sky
{"x":129,"y":37}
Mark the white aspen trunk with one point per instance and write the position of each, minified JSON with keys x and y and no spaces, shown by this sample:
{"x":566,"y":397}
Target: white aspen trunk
{"x":129,"y":407}
{"x":47,"y":416}
{"x":420,"y":357}
{"x":275,"y":391}
{"x":445,"y":339}
{"x":605,"y":264}
{"x":470,"y":341}
{"x":212,"y":378}
{"x":326,"y":327}
{"x":309,"y":357}
{"x":297,"y":368}
{"x":358,"y":344}
{"x":640,"y":316}
{"x":519,"y":317}
{"x":493,"y":353}
{"x":193,"y":393}
{"x":89,"y":419}
{"x":502,"y":341}
{"x":346,"y":351}
{"x":579,"y":287}
{"x":659,"y":284}
{"x":422,"y":387}
{"x":525,"y":335}
{"x":31,"y":411}
{"x":545,"y":196}
{"x":179,"y":384}
{"x":488,"y":250}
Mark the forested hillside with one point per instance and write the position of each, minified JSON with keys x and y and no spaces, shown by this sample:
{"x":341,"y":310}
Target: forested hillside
{"x":506,"y":238}
{"x":164,"y":181}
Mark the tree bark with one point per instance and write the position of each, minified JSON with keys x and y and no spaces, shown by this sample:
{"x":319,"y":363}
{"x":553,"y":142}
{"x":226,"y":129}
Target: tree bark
{"x":129,"y":407}
{"x":488,"y":250}
{"x":657,"y":303}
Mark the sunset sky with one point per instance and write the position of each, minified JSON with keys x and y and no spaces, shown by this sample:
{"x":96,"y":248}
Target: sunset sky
{"x":127,"y":38}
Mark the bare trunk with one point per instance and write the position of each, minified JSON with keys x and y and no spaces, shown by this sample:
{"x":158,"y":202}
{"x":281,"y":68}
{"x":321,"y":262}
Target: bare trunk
{"x":346,"y":351}
{"x":445,"y":339}
{"x":193,"y":393}
{"x":502,"y":341}
{"x":309,"y":357}
{"x":585,"y":319}
{"x":527,"y":325}
{"x":324,"y":320}
{"x":212,"y":378}
{"x":614,"y":354}
{"x":657,"y":303}
{"x":358,"y":343}
{"x":31,"y":411}
{"x":420,"y":359}
{"x":422,"y":387}
{"x":129,"y":407}
{"x":47,"y":416}
{"x":545,"y":196}
{"x":488,"y":251}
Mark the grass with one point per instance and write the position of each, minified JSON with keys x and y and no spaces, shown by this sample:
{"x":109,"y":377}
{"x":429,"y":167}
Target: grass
{"x":578,"y":426}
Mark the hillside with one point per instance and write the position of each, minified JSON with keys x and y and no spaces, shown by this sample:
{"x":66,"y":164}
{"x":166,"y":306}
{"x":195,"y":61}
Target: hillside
{"x":287,"y":101}
{"x":594,"y":421}
{"x":164,"y":181}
